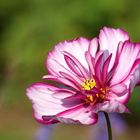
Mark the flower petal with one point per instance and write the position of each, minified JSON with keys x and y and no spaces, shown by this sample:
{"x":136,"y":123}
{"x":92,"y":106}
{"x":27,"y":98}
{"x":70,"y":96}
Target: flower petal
{"x":100,"y":59}
{"x":78,"y":115}
{"x":61,"y":94}
{"x":71,"y":59}
{"x":63,"y":81}
{"x":135,"y":78}
{"x":105,"y":69}
{"x":109,"y":39}
{"x":90,"y":61}
{"x":76,"y":47}
{"x":131,"y":81}
{"x":119,"y":89}
{"x":111,"y":107}
{"x":44,"y":103}
{"x":93,"y":47}
{"x":129,"y":54}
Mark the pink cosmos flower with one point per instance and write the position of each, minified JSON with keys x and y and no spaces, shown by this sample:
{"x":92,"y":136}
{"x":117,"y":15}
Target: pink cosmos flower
{"x":97,"y":75}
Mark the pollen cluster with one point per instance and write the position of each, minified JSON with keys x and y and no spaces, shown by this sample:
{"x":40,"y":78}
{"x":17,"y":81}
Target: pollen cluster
{"x":88,"y":84}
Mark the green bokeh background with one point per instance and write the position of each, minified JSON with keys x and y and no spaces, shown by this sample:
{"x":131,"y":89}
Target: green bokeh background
{"x":28,"y":30}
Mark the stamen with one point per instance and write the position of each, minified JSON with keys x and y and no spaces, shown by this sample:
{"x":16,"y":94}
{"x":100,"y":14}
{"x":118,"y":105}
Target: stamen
{"x":88,"y":84}
{"x":96,"y":97}
{"x":90,"y":97}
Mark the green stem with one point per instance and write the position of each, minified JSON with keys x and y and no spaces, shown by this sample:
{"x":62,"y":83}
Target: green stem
{"x":108,"y":126}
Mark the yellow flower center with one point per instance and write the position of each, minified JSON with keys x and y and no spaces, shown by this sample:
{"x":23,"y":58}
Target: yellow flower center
{"x":93,"y":97}
{"x":88,"y":84}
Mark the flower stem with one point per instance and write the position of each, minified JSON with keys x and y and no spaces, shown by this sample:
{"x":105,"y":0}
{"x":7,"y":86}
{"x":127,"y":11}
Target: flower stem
{"x":108,"y":126}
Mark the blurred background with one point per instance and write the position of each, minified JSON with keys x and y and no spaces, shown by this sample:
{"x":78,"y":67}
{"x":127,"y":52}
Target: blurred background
{"x":28,"y":30}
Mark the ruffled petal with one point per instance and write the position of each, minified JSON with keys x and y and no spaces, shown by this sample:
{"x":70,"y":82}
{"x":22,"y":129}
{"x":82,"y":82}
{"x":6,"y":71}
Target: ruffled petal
{"x":78,"y":115}
{"x":109,"y":39}
{"x":130,"y":82}
{"x":46,"y":101}
{"x":75,"y":65}
{"x":129,"y":54}
{"x":134,"y":78}
{"x":76,"y":48}
{"x":124,"y":98}
{"x":100,"y":60}
{"x":90,"y":55}
{"x":111,"y":107}
{"x":119,"y":89}
{"x":63,"y":80}
{"x":105,"y":69}
{"x":67,"y":74}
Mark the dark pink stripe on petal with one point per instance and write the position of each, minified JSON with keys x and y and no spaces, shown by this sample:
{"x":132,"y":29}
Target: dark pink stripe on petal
{"x":76,"y":47}
{"x":109,"y":39}
{"x":105,"y":68}
{"x":76,"y":80}
{"x":81,"y":68}
{"x":99,"y":65}
{"x":129,"y":54}
{"x":73,"y":66}
{"x":135,"y":65}
{"x":48,"y":122}
{"x":71,"y":110}
{"x":90,"y":61}
{"x":80,"y":114}
{"x":62,"y":80}
{"x":44,"y":104}
{"x":73,"y":100}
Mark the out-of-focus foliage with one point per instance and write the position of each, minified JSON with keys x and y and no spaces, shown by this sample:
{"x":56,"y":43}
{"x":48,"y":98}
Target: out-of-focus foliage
{"x":29,"y":29}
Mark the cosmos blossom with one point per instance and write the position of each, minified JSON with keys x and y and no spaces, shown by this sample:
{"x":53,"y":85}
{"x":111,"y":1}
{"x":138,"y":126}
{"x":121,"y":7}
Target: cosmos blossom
{"x":96,"y":75}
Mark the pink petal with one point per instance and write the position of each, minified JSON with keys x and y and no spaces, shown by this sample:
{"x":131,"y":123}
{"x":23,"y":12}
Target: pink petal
{"x":131,"y":81}
{"x":119,"y":89}
{"x":67,"y":72}
{"x":75,"y":80}
{"x":98,"y":67}
{"x":73,"y":66}
{"x":61,"y":94}
{"x":62,"y":80}
{"x":76,"y":47}
{"x":134,"y":78}
{"x":93,"y":47}
{"x":90,"y":61}
{"x":100,"y":59}
{"x":109,"y":39}
{"x":105,"y":69}
{"x":78,"y":115}
{"x":73,"y":100}
{"x":68,"y":57}
{"x":127,"y":58}
{"x":44,"y":103}
{"x":134,"y":75}
{"x":124,"y":98}
{"x":111,"y":107}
